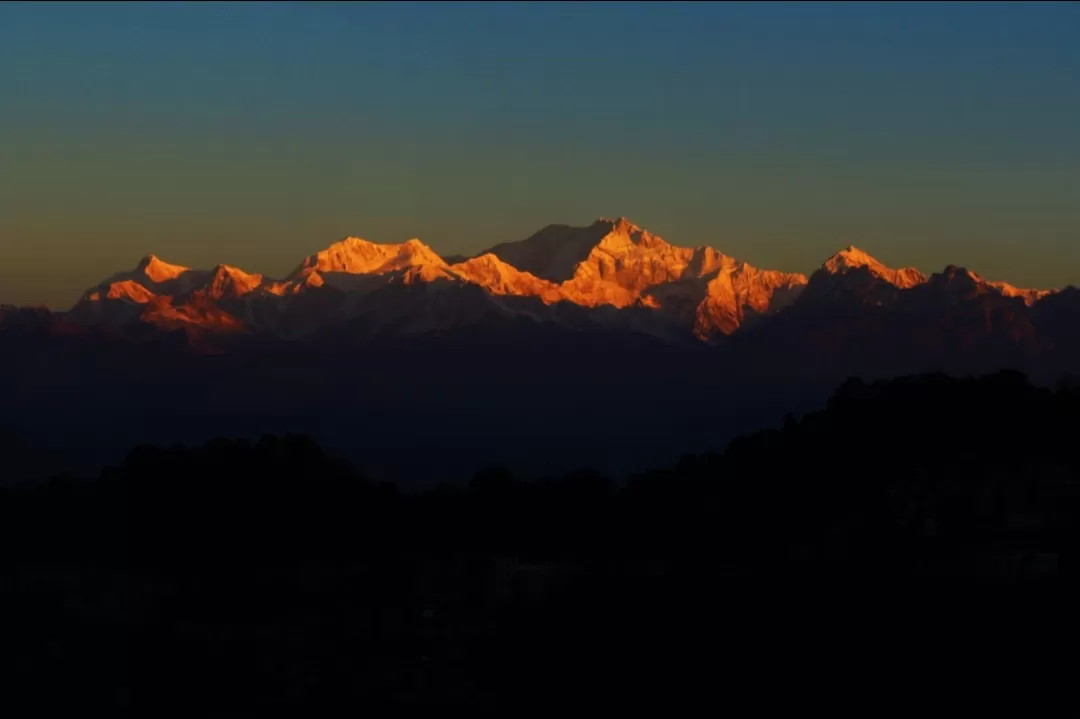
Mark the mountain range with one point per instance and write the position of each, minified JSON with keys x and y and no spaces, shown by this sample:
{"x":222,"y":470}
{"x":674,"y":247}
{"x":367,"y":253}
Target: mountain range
{"x":610,"y":275}
{"x":602,"y":345}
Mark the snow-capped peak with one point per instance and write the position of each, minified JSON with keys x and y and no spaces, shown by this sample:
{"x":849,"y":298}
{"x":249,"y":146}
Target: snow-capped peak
{"x":1030,"y":297}
{"x":619,"y":225}
{"x":355,"y":255}
{"x":851,"y":258}
{"x":158,"y":271}
{"x":501,"y":278}
{"x":227,"y":281}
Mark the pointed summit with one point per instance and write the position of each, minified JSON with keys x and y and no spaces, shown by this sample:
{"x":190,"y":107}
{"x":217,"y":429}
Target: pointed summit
{"x":957,"y":273}
{"x":853,"y":258}
{"x":616,"y":262}
{"x":227,"y":281}
{"x":555,"y":252}
{"x":619,"y":225}
{"x":849,"y":258}
{"x":158,"y":271}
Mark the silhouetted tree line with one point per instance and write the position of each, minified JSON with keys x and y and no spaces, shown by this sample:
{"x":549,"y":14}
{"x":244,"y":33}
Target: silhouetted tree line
{"x":283,"y":578}
{"x":898,"y":478}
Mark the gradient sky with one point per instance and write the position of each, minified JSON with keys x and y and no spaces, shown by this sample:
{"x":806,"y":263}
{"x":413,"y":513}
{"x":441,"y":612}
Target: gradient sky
{"x":255,"y":134}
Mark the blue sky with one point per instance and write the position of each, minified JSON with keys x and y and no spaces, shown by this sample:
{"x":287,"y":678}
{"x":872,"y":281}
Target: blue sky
{"x":256,"y":133}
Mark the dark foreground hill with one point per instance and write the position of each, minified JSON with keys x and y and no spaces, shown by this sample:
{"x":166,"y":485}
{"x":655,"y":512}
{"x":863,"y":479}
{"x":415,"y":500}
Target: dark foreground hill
{"x":924,"y":515}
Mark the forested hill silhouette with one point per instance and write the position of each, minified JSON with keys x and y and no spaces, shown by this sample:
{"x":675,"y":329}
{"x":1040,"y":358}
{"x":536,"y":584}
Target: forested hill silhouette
{"x":269,"y":575}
